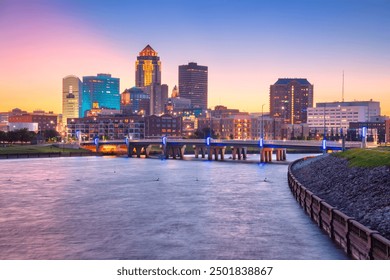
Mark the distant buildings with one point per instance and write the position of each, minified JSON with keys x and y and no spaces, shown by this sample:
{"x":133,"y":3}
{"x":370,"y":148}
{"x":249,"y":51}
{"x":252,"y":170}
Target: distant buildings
{"x":106,"y":127}
{"x":167,"y":125}
{"x":44,"y":121}
{"x":193,"y":82}
{"x":94,"y":107}
{"x":338,"y":115}
{"x":387,"y":130}
{"x":177,"y":105}
{"x":289,"y":100}
{"x":71,"y":92}
{"x":102,"y":90}
{"x":135,"y":101}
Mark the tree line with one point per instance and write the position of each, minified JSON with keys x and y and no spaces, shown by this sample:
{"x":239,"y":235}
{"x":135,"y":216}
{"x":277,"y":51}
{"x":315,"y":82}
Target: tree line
{"x":25,"y":136}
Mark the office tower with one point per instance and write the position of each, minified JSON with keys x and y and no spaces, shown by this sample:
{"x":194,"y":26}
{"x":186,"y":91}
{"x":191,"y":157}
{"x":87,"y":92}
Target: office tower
{"x":102,"y":90}
{"x":71,"y":89}
{"x":289,"y":100}
{"x":193,"y":84}
{"x":147,"y":68}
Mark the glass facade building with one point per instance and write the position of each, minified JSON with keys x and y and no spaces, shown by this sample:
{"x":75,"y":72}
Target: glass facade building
{"x":102,"y":90}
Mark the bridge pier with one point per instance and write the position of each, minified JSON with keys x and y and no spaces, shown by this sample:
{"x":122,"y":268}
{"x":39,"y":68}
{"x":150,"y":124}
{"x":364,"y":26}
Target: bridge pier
{"x":138,"y":150}
{"x":217,"y":151}
{"x":174,"y":151}
{"x":239,"y":152}
{"x":266,"y":155}
{"x":280,"y":154}
{"x":200,"y":149}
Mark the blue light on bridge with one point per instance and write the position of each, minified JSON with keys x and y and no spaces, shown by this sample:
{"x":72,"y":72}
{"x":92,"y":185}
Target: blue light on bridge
{"x":78,"y":134}
{"x":127,"y":141}
{"x":164,"y":140}
{"x":96,"y":141}
{"x":208,"y":141}
{"x":364,"y":132}
{"x":261,"y":143}
{"x":324,"y":144}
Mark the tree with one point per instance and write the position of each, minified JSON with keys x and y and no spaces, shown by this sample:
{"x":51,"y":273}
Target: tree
{"x":50,"y":134}
{"x":3,"y":136}
{"x":25,"y":136}
{"x":12,"y":136}
{"x":204,"y":133}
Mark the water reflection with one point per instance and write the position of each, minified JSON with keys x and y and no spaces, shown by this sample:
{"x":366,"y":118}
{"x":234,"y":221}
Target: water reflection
{"x":115,"y":208}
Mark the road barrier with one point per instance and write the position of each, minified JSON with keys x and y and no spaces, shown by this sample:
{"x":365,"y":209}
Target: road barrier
{"x":357,"y":240}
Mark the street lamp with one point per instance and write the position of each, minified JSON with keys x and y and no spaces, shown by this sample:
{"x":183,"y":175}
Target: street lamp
{"x":262,"y":121}
{"x":209,"y":112}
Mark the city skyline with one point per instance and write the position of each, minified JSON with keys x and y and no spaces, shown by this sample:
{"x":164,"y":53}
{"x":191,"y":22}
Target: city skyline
{"x":247,"y":46}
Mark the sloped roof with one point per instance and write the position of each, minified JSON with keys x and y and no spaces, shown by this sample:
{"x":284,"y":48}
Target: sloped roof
{"x":286,"y":81}
{"x":148,"y":51}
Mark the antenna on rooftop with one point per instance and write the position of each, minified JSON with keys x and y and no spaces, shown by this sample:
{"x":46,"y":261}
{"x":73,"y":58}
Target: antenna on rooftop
{"x":342,"y":91}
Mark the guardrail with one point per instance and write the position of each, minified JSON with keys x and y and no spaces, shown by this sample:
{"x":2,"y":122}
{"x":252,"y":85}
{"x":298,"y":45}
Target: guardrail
{"x":45,"y":155}
{"x":357,"y":240}
{"x":248,"y":143}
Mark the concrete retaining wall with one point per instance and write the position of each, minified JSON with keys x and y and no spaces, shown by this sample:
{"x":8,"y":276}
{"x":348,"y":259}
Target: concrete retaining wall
{"x":358,"y":241}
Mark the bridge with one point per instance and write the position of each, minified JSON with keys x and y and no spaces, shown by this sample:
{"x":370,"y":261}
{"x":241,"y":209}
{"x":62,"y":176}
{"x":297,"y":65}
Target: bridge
{"x":175,"y":148}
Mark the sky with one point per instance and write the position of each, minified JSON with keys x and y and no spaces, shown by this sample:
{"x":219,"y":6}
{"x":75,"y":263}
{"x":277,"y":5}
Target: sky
{"x":246,"y":44}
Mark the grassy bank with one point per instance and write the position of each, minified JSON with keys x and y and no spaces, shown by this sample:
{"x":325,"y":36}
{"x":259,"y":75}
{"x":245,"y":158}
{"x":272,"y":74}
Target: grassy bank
{"x":37,"y":149}
{"x":366,"y":158}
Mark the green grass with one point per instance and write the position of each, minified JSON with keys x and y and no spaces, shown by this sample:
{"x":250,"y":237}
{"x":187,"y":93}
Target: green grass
{"x":36,"y":149}
{"x":366,"y":158}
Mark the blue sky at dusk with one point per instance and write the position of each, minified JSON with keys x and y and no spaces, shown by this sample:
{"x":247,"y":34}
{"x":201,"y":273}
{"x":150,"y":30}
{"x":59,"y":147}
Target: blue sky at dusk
{"x":247,"y":46}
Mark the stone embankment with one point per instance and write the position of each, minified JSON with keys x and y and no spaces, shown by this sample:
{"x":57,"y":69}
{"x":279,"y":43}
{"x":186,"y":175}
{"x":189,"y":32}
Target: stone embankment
{"x":361,"y":193}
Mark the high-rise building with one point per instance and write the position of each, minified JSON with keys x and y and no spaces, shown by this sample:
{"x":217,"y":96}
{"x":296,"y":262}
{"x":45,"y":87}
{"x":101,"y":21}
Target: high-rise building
{"x":147,"y":68}
{"x":193,"y":84}
{"x":102,"y":90}
{"x":71,"y":89}
{"x":289,"y":100}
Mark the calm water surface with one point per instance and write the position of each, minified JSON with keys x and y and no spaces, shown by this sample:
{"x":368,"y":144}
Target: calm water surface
{"x":121,"y":208}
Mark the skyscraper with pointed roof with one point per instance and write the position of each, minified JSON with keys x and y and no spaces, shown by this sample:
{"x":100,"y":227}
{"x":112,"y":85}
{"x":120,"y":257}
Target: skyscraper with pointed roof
{"x":147,"y":68}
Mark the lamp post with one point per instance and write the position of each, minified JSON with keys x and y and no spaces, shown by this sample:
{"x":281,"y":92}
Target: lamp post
{"x":324,"y":138}
{"x":262,"y":121}
{"x":209,"y":112}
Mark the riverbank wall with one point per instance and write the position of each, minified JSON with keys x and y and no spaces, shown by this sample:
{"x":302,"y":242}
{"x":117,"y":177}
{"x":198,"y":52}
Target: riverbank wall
{"x":357,"y":240}
{"x":45,"y":155}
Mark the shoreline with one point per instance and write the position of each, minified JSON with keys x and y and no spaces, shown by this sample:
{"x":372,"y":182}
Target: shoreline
{"x":360,"y":192}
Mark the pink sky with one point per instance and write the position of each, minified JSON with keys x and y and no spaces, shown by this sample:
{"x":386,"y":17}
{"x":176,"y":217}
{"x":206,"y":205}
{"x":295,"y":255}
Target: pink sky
{"x":41,"y":45}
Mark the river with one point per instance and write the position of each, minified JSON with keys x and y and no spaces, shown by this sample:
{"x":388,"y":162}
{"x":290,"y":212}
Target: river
{"x":129,"y":208}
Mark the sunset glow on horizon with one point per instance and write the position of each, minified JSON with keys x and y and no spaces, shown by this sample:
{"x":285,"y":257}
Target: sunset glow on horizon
{"x":247,"y":45}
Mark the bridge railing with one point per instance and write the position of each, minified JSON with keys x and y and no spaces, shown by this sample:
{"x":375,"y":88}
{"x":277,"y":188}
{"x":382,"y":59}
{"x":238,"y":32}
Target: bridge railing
{"x":282,"y":143}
